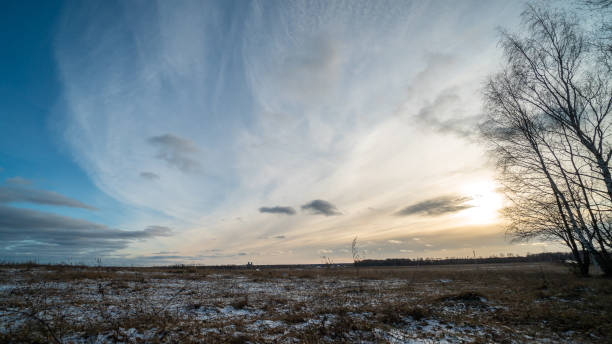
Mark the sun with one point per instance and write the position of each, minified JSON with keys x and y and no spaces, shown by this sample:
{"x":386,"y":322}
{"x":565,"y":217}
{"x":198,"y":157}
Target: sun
{"x":484,"y":202}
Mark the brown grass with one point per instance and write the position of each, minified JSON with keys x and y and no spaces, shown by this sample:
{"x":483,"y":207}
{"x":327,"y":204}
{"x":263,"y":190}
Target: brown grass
{"x":511,"y":303}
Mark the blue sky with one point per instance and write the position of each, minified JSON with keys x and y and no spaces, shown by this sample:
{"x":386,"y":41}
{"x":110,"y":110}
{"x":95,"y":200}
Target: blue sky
{"x":29,"y":93}
{"x":225,"y":131}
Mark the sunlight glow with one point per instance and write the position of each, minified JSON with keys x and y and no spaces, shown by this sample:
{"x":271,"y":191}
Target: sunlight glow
{"x":485,"y":202}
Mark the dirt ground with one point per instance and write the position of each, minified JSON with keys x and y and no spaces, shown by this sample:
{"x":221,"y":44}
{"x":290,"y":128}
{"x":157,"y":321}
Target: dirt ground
{"x":501,"y":303}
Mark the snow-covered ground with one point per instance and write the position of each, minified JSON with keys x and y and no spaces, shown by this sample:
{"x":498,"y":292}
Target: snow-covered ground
{"x":97,"y":305}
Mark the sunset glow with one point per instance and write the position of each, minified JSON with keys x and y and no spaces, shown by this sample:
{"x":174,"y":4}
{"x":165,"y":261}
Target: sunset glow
{"x":217,"y":132}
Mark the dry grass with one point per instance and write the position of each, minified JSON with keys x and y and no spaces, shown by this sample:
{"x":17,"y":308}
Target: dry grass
{"x":505,"y":303}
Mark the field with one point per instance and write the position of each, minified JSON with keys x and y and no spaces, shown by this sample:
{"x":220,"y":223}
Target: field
{"x":503,"y":303}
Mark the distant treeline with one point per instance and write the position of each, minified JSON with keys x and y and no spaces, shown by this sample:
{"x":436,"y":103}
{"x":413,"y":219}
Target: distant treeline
{"x":538,"y":257}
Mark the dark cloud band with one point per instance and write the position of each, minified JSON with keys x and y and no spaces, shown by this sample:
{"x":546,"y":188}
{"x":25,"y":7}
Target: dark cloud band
{"x":149,"y":175}
{"x":176,"y":151}
{"x":26,"y":229}
{"x":437,"y":206}
{"x":14,"y":193}
{"x":278,"y":210}
{"x":321,"y":207}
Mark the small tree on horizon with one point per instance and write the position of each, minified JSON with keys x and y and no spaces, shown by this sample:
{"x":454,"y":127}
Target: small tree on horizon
{"x":355,"y":251}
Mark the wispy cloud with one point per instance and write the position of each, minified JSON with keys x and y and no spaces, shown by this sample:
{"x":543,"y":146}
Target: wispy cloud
{"x":437,"y":206}
{"x":444,"y":115}
{"x":321,"y":207}
{"x":278,"y":210}
{"x":312,"y":69}
{"x":235,"y":109}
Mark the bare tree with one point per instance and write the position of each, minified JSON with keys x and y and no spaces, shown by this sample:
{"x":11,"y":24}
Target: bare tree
{"x":548,"y":126}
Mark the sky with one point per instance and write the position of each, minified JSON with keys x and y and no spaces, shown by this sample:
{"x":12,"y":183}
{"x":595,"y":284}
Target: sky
{"x":222,"y":132}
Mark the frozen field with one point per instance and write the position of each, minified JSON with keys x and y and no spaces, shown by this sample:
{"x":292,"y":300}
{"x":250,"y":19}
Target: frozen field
{"x":509,"y":303}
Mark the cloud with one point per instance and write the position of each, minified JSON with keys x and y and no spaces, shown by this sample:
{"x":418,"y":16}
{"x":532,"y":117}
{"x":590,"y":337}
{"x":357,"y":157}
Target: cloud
{"x":394,"y":242}
{"x":18,"y":181}
{"x":278,"y":210}
{"x":279,"y":237}
{"x":310,"y":107}
{"x":149,"y":175}
{"x":158,"y":231}
{"x":445,"y":115}
{"x":437,"y":206}
{"x":312,"y":68}
{"x":27,"y":230}
{"x":175,"y":151}
{"x":217,"y":254}
{"x":162,"y":257}
{"x":321,"y":207}
{"x":406,"y":251}
{"x":9,"y":194}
